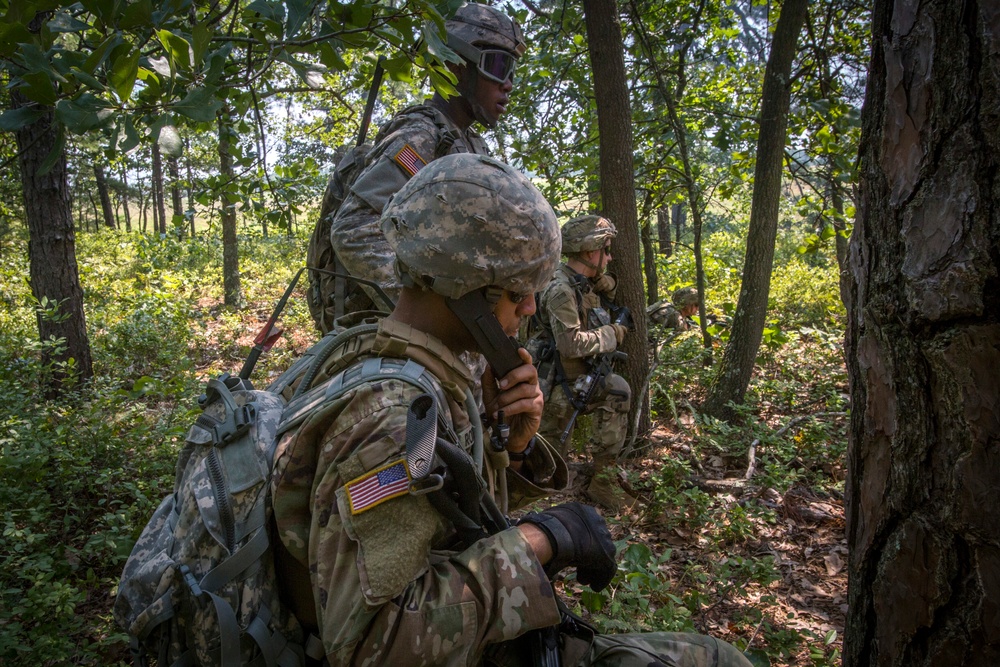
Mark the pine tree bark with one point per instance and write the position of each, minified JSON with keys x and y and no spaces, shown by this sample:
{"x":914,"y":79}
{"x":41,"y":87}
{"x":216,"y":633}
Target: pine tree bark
{"x":156,"y":192}
{"x":52,"y":248}
{"x":614,"y":121}
{"x":107,"y":211}
{"x":747,"y":329}
{"x":923,"y":344}
{"x":175,"y":195}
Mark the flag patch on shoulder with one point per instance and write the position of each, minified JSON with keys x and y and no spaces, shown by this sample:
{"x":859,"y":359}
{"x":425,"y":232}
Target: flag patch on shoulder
{"x":409,"y":160}
{"x":377,"y":486}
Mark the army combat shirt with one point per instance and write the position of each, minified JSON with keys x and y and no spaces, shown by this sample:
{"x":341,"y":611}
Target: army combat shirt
{"x":388,"y":586}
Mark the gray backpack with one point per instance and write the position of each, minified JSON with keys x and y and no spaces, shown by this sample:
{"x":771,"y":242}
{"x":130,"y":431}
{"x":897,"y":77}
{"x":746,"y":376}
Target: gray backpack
{"x":200,"y":586}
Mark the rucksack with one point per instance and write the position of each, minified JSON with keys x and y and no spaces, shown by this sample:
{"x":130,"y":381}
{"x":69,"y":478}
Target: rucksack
{"x":322,"y":293}
{"x":200,"y":586}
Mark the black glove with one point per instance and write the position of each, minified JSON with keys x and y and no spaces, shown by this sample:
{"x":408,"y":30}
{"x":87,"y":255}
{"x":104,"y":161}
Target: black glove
{"x":579,"y":538}
{"x":622,"y":315}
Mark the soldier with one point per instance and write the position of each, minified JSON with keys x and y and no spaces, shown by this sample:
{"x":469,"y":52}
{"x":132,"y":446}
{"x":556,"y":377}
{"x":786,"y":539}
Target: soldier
{"x":490,"y":43}
{"x":676,"y":315}
{"x":575,"y":314}
{"x":383,"y":575}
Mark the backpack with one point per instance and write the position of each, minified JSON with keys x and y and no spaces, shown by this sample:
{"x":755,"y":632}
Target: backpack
{"x":322,"y":293}
{"x":200,"y":586}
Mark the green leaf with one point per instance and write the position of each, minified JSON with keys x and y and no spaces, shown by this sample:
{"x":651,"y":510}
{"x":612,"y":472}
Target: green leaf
{"x":15,"y":119}
{"x":177,"y":48}
{"x":83,"y":113}
{"x":330,"y":57}
{"x":123,"y":74}
{"x":96,"y":59}
{"x":758,"y":658}
{"x":63,"y":22}
{"x":38,"y":88}
{"x":201,"y":38}
{"x":298,"y":12}
{"x":137,"y":14}
{"x":170,"y":141}
{"x":200,"y":104}
{"x":127,"y":138}
{"x":12,"y":37}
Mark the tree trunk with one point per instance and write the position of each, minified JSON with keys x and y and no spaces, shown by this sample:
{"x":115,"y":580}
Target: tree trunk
{"x":190,"y":183}
{"x":230,"y":245}
{"x":663,"y":231}
{"x":156,"y":193}
{"x":52,"y":248}
{"x":923,"y":344}
{"x":175,"y":196}
{"x":649,"y":264}
{"x":102,"y":191}
{"x":680,"y":217}
{"x":614,"y":121}
{"x":125,"y":202}
{"x":751,"y":309}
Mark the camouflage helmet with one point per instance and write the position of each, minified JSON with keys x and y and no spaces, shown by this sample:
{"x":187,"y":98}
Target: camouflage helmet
{"x":467,"y":221}
{"x":475,"y":26}
{"x":685,"y":296}
{"x":586,"y":233}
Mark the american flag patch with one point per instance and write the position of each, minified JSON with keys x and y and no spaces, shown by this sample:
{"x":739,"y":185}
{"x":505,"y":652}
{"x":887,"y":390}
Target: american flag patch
{"x":409,"y":160}
{"x":377,"y":486}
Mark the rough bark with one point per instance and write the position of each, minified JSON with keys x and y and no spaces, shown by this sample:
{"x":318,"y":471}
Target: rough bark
{"x":614,"y":121}
{"x":52,"y":247}
{"x":125,"y":202}
{"x":649,"y":264}
{"x":737,"y":364}
{"x":230,"y":244}
{"x":107,"y":210}
{"x":663,"y":231}
{"x":923,"y":344}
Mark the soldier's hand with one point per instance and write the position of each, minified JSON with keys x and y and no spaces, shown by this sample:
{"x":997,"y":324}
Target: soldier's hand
{"x":520,"y":398}
{"x":579,"y":538}
{"x":620,"y":331}
{"x":605,"y":284}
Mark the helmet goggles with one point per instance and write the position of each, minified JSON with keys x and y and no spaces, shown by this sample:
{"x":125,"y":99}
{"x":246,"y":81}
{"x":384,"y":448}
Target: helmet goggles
{"x":497,"y":65}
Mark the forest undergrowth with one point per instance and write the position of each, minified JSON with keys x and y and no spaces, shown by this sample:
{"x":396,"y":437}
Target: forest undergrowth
{"x":757,"y":559}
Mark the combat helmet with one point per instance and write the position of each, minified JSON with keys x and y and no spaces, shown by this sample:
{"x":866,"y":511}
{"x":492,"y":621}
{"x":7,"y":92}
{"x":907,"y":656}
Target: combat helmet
{"x":475,"y":27}
{"x":586,"y":233}
{"x":685,"y":296}
{"x":468,"y":221}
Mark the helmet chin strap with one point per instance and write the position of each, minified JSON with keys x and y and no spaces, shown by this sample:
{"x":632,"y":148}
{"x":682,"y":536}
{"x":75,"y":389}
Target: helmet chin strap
{"x":599,"y":270}
{"x":468,"y":87}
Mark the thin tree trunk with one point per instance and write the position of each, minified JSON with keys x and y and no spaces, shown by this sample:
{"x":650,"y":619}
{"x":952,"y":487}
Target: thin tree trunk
{"x":649,"y":264}
{"x":52,"y":248}
{"x":190,"y":183}
{"x":175,"y":196}
{"x":125,"y":200}
{"x":156,"y":187}
{"x":679,"y":216}
{"x":105,"y":197}
{"x":923,"y":345}
{"x":747,"y":329}
{"x":230,"y":245}
{"x":614,"y":118}
{"x":663,"y":231}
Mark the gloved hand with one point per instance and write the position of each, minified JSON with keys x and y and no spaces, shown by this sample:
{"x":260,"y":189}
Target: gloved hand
{"x":579,"y":538}
{"x":620,"y":331}
{"x":605,"y":283}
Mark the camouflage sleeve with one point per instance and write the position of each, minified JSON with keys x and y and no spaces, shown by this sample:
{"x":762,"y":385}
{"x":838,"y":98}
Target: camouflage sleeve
{"x":543,"y":473}
{"x":355,"y":233}
{"x":572,"y":341}
{"x":386,"y":591}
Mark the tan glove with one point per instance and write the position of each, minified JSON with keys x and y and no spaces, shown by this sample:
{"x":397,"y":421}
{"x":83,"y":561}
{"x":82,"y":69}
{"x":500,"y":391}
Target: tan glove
{"x":620,"y":331}
{"x":605,"y":284}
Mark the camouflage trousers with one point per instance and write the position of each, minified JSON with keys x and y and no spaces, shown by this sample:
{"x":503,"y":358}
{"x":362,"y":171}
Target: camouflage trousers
{"x":610,"y":417}
{"x":670,"y":649}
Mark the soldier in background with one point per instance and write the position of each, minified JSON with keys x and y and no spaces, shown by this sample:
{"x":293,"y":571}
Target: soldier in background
{"x":382,"y":573}
{"x":490,"y":43}
{"x":676,"y":315}
{"x":575,"y":312}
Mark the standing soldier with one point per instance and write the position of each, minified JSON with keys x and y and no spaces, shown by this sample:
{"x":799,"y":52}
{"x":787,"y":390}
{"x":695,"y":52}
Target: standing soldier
{"x":577,"y":321}
{"x":490,"y":43}
{"x":390,"y":568}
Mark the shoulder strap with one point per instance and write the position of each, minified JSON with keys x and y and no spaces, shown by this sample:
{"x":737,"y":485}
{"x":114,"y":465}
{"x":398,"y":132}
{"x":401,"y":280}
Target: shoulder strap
{"x":374,"y":368}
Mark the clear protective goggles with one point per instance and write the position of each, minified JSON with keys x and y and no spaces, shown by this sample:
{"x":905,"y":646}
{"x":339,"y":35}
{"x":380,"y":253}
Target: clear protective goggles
{"x":497,"y":65}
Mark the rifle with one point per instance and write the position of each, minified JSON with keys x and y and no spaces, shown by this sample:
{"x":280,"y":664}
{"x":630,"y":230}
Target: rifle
{"x":587,"y":385}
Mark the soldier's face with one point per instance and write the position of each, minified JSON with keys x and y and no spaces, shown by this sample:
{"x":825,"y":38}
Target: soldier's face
{"x":493,"y":97}
{"x":511,"y":309}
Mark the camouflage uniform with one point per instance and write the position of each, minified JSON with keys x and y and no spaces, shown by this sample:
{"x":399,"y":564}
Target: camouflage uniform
{"x":565,"y":317}
{"x":388,"y":581}
{"x":355,"y":233}
{"x":667,"y":314}
{"x":389,"y":587}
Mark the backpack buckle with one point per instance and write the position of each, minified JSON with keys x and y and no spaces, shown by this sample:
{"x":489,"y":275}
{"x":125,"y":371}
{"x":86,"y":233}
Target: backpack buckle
{"x":237,"y":423}
{"x":191,"y":582}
